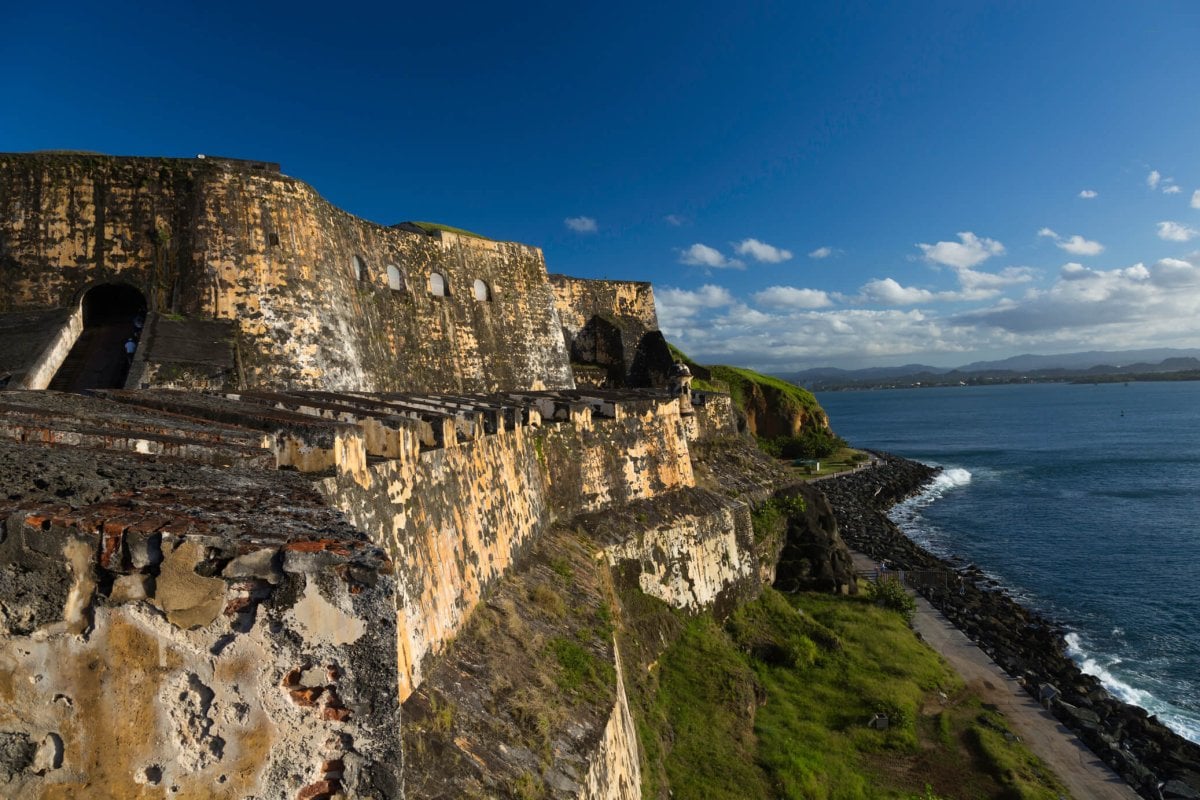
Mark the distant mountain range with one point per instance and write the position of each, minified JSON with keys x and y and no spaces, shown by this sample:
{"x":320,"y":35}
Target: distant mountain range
{"x":1022,"y":368}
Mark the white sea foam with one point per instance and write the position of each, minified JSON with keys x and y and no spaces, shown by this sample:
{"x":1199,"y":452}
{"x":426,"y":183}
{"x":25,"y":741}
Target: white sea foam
{"x":945,"y":481}
{"x":907,"y":514}
{"x":1185,"y":723}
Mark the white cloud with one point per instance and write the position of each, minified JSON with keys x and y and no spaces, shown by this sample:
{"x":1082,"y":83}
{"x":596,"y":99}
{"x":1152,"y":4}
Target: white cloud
{"x":707,"y":296}
{"x":581,"y":224}
{"x":1119,"y":307}
{"x":976,"y":281}
{"x":1176,"y":232}
{"x":1141,"y":305}
{"x":1155,"y":180}
{"x":1196,"y":199}
{"x":826,"y":252}
{"x":675,"y":219}
{"x":761,"y":251}
{"x":1075,"y":245}
{"x":701,"y":255}
{"x":1079,"y":246}
{"x":1089,"y":194}
{"x":888,"y":292}
{"x":789,"y":297}
{"x":967,"y":252}
{"x":1144,"y":305}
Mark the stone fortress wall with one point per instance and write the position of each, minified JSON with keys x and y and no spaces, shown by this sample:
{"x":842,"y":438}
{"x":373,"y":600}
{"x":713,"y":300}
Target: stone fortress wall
{"x":320,"y":298}
{"x":249,"y":584}
{"x":612,"y":326}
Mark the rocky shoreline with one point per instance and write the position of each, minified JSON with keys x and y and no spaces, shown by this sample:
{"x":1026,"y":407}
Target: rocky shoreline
{"x":1157,"y":762}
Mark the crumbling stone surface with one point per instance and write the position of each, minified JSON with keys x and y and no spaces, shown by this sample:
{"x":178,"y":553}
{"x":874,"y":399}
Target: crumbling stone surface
{"x":33,"y":591}
{"x":17,"y":752}
{"x":189,"y":600}
{"x":814,"y":557}
{"x":523,"y":703}
{"x":153,"y":653}
{"x":232,"y":610}
{"x":692,"y":549}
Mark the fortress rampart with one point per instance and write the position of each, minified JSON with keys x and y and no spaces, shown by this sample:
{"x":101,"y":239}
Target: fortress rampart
{"x":320,"y":298}
{"x":612,"y":326}
{"x":346,"y":466}
{"x":277,"y":624}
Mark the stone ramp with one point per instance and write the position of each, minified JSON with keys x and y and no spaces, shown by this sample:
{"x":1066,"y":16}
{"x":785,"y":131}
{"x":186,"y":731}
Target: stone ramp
{"x":97,"y":360}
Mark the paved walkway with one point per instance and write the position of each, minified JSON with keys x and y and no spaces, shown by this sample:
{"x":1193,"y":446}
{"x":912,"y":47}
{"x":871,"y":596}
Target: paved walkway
{"x":1085,"y":775}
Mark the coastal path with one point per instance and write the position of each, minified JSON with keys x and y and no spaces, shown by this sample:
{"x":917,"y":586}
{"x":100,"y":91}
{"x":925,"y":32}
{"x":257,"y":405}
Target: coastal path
{"x":1084,"y":775}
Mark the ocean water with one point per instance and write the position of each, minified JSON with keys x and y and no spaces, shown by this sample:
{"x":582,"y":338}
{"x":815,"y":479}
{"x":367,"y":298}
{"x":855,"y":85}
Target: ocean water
{"x":1082,"y":501}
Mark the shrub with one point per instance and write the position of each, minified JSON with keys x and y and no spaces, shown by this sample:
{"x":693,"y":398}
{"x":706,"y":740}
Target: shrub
{"x":890,"y":593}
{"x":810,"y":443}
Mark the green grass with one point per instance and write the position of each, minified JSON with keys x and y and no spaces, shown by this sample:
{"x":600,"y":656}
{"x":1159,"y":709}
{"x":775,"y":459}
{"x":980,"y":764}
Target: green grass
{"x":790,"y":397}
{"x":430,"y":227}
{"x":842,"y":460}
{"x":579,"y":670}
{"x":700,"y":725}
{"x":1024,"y":776}
{"x":774,"y":704}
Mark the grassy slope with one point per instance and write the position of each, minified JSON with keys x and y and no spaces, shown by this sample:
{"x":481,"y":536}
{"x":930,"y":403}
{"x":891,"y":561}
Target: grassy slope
{"x":741,"y":383}
{"x":774,"y":704}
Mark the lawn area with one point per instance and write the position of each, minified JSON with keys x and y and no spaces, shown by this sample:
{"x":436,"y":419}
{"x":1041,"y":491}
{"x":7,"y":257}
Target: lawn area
{"x":842,"y":460}
{"x":775,"y":704}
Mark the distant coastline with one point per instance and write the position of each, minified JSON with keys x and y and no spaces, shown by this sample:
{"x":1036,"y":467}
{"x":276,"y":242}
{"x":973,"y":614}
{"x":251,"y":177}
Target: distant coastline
{"x":952,"y":380}
{"x":1163,"y":364}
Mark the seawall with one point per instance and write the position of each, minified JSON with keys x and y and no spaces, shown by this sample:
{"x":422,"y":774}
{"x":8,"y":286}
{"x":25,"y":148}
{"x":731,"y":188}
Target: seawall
{"x":1029,"y":647}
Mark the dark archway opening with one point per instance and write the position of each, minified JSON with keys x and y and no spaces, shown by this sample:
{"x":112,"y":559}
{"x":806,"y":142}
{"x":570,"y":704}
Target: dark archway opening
{"x":112,"y":304}
{"x":114,"y":315}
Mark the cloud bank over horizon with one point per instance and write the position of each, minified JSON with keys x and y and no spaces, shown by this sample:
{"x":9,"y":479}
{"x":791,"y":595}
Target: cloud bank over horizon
{"x":981,"y":314}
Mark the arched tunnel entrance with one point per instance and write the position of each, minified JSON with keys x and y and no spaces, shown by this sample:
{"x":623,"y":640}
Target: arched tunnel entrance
{"x":113,"y":314}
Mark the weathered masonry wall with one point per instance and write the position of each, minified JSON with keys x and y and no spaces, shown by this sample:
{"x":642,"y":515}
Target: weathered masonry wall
{"x":321,"y":298}
{"x":194,"y":643}
{"x":613,"y":325}
{"x":692,"y":549}
{"x":712,"y":416}
{"x":598,"y":463}
{"x":453,"y":521}
{"x":456,"y":518}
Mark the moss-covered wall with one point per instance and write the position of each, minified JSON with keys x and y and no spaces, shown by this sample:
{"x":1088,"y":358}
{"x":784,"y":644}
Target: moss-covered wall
{"x":307,"y":283}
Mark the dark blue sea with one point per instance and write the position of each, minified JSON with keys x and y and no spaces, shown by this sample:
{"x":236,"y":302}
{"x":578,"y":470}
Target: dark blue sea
{"x":1082,"y":501}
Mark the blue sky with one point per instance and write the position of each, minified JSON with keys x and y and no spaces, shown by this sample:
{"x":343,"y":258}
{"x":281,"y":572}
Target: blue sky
{"x":845,"y":184}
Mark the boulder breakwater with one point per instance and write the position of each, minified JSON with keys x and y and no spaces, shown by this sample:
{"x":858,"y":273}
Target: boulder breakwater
{"x":1153,"y":759}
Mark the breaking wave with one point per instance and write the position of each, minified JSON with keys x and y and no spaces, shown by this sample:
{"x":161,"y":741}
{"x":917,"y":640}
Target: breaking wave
{"x":1184,"y":722}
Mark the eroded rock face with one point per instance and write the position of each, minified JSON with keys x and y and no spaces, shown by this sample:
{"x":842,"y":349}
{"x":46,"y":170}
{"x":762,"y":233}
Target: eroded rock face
{"x":814,"y":557}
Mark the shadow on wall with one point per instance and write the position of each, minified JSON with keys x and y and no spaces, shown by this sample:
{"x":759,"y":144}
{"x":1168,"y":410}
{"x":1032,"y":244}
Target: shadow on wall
{"x":602,"y":343}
